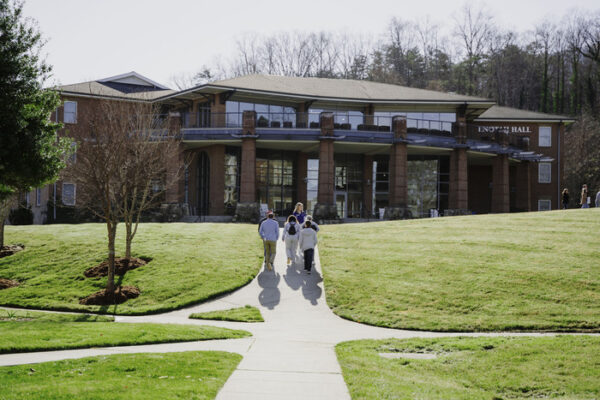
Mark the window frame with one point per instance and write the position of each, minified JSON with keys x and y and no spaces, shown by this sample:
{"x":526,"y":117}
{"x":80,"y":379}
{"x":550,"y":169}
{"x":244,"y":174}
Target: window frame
{"x":549,"y":172}
{"x":62,"y":197}
{"x":548,"y":201}
{"x":74,"y":120}
{"x":38,"y":197}
{"x":549,"y":137}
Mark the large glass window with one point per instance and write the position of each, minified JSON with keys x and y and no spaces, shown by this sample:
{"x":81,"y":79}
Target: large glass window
{"x":381,"y":183}
{"x":427,"y":185}
{"x":266,"y":115}
{"x":68,"y":194}
{"x":349,"y":181}
{"x":232,"y":179}
{"x":276,"y":181}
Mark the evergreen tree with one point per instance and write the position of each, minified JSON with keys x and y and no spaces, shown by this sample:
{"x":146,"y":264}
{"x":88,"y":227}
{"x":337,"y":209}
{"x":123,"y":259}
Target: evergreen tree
{"x":30,"y":152}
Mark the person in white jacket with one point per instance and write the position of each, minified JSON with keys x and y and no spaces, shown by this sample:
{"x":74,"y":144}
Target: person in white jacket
{"x":307,"y":243}
{"x":291,"y":232}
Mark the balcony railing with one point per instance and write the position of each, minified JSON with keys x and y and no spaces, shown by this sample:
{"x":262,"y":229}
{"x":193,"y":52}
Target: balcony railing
{"x":348,"y":122}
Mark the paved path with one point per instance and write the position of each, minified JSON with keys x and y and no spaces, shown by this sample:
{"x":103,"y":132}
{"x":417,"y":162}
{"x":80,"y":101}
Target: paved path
{"x":290,"y":356}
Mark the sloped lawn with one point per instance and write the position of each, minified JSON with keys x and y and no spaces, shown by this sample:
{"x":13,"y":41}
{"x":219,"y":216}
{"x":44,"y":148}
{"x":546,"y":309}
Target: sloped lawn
{"x":520,"y":272}
{"x":190,"y":263}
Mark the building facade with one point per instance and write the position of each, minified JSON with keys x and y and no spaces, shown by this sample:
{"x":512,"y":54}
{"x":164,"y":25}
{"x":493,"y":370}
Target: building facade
{"x":344,"y":148}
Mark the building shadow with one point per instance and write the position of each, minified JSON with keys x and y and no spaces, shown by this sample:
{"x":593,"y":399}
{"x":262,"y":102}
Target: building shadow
{"x":270,"y":295}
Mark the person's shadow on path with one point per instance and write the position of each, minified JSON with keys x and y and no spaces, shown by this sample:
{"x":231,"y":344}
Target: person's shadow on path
{"x":296,"y":278}
{"x":269,"y":296}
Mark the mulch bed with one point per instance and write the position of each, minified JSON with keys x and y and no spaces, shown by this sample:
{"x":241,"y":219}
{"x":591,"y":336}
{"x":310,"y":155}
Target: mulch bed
{"x":8,"y":283}
{"x":104,"y":298}
{"x":122,"y":265}
{"x":9,"y":250}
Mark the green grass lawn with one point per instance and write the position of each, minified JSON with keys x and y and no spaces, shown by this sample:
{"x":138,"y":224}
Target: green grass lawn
{"x":189,"y":375}
{"x":240,"y":314}
{"x":528,"y":271}
{"x":24,"y":331}
{"x":190,"y":263}
{"x":566,"y":367}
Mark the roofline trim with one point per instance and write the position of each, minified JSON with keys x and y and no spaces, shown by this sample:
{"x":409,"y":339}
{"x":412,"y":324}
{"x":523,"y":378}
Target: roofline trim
{"x":301,"y":96}
{"x":97,"y":96}
{"x":565,"y":120}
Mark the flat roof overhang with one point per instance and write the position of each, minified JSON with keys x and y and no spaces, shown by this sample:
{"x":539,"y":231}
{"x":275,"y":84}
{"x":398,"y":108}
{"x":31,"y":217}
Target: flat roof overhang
{"x":474,"y":108}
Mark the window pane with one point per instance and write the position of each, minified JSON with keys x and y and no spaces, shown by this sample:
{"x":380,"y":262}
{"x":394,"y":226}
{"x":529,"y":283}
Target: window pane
{"x":68,"y":194}
{"x":544,"y":173}
{"x":545,"y":136}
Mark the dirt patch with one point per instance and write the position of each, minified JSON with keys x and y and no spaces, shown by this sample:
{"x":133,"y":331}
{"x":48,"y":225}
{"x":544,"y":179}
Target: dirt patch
{"x":8,"y":283}
{"x":104,"y":298}
{"x":122,"y":265}
{"x":9,"y":250}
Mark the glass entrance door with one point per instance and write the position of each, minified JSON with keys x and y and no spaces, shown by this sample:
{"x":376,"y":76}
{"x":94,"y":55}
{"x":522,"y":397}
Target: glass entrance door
{"x":341,"y":202}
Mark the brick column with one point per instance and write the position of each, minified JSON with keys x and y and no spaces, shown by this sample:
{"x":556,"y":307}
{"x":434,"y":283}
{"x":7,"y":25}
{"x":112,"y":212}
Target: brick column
{"x":458,"y":196}
{"x":325,"y":208}
{"x":398,"y":196}
{"x":248,"y":164}
{"x":523,"y":187}
{"x":326,"y":161}
{"x":216,"y":157}
{"x":301,"y":174}
{"x":217,"y":111}
{"x":500,"y":185}
{"x":302,"y":116}
{"x":369,"y":112}
{"x":175,"y":178}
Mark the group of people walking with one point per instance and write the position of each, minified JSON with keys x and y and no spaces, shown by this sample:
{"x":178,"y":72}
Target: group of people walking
{"x":299,"y":233}
{"x":584,"y":199}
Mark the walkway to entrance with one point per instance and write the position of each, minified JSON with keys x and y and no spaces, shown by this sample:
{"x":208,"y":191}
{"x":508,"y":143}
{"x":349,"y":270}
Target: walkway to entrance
{"x":290,"y":356}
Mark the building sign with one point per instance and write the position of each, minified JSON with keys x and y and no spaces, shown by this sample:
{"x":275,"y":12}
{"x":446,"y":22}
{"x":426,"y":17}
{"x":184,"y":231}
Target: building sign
{"x":509,"y":129}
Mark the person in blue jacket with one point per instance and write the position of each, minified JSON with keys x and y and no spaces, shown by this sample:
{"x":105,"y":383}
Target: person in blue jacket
{"x":299,"y":213}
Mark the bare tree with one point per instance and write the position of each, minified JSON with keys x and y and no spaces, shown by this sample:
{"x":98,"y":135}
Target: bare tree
{"x":122,"y":147}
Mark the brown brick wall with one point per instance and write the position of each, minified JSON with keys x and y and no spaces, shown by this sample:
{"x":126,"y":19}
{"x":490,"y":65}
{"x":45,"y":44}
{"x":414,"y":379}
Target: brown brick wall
{"x":480,"y":192}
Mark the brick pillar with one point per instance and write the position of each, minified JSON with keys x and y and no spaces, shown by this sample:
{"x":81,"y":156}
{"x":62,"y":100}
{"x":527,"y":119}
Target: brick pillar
{"x":302,"y":116}
{"x":523,"y":187}
{"x":326,"y":161}
{"x":216,"y":157}
{"x":175,"y":178}
{"x":217,"y":111}
{"x":398,"y":196}
{"x":368,"y":187}
{"x":458,"y":196}
{"x":301,"y":174}
{"x":248,"y":164}
{"x":500,"y":185}
{"x":369,"y":118}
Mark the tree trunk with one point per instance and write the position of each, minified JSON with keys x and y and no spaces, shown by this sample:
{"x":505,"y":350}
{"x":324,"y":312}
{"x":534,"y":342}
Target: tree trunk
{"x":128,"y":239}
{"x":1,"y":232}
{"x":112,"y":233}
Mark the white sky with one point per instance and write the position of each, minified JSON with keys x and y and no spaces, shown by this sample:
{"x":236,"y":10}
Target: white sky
{"x":93,"y":39}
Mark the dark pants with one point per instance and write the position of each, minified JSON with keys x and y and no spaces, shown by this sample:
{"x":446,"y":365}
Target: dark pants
{"x":308,"y":258}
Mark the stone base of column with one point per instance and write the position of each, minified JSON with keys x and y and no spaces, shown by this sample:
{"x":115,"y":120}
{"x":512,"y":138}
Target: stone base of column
{"x":247,"y":212}
{"x":456,"y":211}
{"x":392,"y":213}
{"x":325,"y":212}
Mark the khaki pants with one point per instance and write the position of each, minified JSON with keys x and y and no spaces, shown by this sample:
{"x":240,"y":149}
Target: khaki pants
{"x":270,"y":249}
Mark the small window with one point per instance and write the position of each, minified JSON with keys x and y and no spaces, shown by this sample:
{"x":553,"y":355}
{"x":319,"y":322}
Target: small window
{"x":38,"y":197}
{"x":28,"y":199}
{"x":68,"y":194}
{"x":545,"y":136}
{"x":70,"y":112}
{"x":544,"y":173}
{"x":544,"y":205}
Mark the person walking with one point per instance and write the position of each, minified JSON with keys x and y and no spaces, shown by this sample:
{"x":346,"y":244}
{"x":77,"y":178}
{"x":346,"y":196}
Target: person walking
{"x":313,"y":224}
{"x":565,"y":198}
{"x":269,"y":232}
{"x":307,"y":243}
{"x":291,"y":232}
{"x":299,"y":213}
{"x":584,"y":197}
{"x":597,"y":203}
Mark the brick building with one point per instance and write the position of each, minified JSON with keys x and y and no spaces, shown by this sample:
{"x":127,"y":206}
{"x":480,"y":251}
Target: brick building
{"x":344,"y":148}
